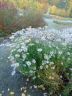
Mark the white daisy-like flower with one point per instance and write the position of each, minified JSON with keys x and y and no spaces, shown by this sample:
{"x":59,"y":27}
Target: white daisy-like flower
{"x":50,"y":77}
{"x":43,"y":38}
{"x":34,"y":68}
{"x":31,"y":44}
{"x":19,"y":50}
{"x":34,"y":77}
{"x":53,"y":67}
{"x":60,"y":52}
{"x":12,"y":50}
{"x":69,"y":59}
{"x":17,"y":55}
{"x":24,"y":56}
{"x":68,"y":53}
{"x":24,"y":65}
{"x":51,"y":53}
{"x":60,"y":76}
{"x":24,"y":48}
{"x":41,"y":67}
{"x":62,"y":63}
{"x":31,"y":71}
{"x":27,"y":41}
{"x":39,"y":49}
{"x":12,"y":37}
{"x":13,"y":72}
{"x":46,"y":56}
{"x":47,"y":62}
{"x":33,"y":61}
{"x":15,"y":65}
{"x":37,"y":41}
{"x":28,"y":63}
{"x":51,"y":63}
{"x":11,"y":58}
{"x":46,"y":66}
{"x":35,"y":86}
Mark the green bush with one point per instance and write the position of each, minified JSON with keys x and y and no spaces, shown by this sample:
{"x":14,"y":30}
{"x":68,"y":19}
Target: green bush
{"x":49,"y":62}
{"x":58,"y":76}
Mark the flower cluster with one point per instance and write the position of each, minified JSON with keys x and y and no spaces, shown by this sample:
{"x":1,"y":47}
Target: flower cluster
{"x":42,"y":54}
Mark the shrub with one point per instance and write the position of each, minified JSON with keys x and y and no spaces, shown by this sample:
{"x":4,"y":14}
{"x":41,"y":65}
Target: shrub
{"x":12,"y":20}
{"x":7,"y":18}
{"x":58,"y":73}
{"x":31,"y":17}
{"x":48,"y":61}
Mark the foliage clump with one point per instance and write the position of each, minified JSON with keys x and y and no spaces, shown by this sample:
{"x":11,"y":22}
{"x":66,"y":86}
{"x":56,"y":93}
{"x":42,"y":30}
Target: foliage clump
{"x":48,"y":61}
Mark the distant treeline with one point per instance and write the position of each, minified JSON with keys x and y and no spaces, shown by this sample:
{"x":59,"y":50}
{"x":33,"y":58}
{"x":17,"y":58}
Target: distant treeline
{"x":60,"y":7}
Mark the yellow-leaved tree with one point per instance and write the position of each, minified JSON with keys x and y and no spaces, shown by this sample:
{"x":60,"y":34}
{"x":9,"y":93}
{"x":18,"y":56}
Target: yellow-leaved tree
{"x":53,"y":10}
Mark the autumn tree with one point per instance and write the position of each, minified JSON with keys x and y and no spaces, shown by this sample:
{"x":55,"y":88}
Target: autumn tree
{"x":69,"y":7}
